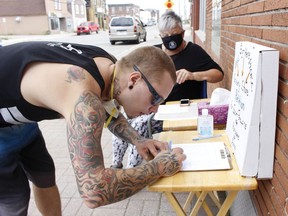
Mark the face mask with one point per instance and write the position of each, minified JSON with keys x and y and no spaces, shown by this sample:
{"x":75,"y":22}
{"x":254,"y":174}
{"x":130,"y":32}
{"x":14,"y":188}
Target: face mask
{"x":172,"y":42}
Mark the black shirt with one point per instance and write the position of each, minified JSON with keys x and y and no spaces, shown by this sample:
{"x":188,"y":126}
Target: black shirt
{"x":14,"y":109}
{"x":193,"y":58}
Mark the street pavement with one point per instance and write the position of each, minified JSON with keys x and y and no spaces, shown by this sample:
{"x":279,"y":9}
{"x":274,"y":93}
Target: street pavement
{"x":144,"y":203}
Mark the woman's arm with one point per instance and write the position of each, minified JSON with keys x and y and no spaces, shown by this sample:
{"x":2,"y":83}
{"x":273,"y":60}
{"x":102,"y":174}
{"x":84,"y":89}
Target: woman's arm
{"x":212,"y":75}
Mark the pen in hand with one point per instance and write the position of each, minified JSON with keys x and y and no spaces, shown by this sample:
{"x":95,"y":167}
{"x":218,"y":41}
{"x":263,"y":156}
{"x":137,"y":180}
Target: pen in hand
{"x":170,"y":146}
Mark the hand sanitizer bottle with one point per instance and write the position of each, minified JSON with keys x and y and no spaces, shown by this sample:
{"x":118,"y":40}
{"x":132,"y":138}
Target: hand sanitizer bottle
{"x":205,"y":124}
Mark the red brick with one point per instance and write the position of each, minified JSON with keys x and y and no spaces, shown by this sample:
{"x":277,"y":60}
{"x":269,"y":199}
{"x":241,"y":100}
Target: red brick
{"x":283,"y":88}
{"x":242,"y":10}
{"x":275,"y":4}
{"x":280,"y":19}
{"x":281,"y":158}
{"x":235,"y":21}
{"x":282,"y":123}
{"x":281,"y":176}
{"x":278,"y":135}
{"x":283,"y":71}
{"x":246,"y":1}
{"x":277,"y":196}
{"x":282,"y":106}
{"x":261,"y":207}
{"x":261,"y":20}
{"x":236,"y":3}
{"x":245,"y":20}
{"x":254,"y":32}
{"x":266,"y":199}
{"x":256,"y":7}
{"x":276,"y":35}
{"x":283,"y":144}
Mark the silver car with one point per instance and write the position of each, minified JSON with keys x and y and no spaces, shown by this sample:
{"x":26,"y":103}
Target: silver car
{"x":126,"y":28}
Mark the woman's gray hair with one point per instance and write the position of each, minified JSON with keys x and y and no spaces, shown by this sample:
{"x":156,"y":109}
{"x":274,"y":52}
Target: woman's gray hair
{"x":168,"y":21}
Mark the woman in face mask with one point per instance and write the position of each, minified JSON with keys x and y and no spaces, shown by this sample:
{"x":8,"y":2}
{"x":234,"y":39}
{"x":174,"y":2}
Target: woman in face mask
{"x":194,"y":69}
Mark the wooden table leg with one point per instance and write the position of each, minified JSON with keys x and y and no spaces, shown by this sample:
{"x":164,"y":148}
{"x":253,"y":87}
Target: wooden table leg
{"x":201,"y":198}
{"x":227,"y":203}
{"x":213,"y":195}
{"x":188,"y":201}
{"x":175,"y":204}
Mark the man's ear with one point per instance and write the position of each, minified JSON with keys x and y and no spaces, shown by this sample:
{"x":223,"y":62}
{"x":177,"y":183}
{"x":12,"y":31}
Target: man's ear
{"x":133,"y":78}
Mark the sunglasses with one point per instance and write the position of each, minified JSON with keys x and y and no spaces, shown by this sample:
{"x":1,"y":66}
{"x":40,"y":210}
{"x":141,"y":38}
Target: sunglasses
{"x":157,"y":99}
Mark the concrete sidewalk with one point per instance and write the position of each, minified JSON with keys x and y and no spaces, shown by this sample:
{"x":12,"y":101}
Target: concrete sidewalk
{"x":144,"y":203}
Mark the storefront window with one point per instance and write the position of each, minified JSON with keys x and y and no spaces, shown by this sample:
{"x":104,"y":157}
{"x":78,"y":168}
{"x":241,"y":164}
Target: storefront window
{"x":216,"y":26}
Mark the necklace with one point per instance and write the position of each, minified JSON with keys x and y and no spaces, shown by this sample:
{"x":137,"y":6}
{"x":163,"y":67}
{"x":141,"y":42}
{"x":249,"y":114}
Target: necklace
{"x":114,"y":109}
{"x":112,"y":84}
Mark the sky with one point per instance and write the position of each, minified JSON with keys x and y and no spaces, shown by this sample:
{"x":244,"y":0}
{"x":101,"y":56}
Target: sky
{"x":183,"y":10}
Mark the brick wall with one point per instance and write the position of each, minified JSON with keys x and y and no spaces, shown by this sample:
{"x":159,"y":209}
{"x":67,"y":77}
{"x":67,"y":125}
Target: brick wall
{"x":263,"y":22}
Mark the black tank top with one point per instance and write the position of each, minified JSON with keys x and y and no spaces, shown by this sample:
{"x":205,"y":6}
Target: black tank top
{"x":14,"y":109}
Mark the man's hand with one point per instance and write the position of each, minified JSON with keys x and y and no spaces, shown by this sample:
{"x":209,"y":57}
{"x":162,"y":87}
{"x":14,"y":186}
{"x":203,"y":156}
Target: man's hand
{"x":169,"y":163}
{"x":149,"y":148}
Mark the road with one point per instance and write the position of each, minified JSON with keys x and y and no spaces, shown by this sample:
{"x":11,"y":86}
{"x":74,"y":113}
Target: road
{"x":101,"y":39}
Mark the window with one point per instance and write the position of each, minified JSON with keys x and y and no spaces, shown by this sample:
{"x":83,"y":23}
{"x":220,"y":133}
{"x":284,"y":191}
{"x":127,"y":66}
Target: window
{"x":54,"y":23}
{"x":202,"y":15}
{"x":76,"y":9}
{"x":82,"y":10}
{"x":202,"y":20}
{"x":216,"y":25}
{"x":57,"y":4}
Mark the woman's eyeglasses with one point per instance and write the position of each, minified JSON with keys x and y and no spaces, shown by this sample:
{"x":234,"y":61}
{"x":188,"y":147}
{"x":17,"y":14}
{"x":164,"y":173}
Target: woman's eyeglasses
{"x":157,"y":99}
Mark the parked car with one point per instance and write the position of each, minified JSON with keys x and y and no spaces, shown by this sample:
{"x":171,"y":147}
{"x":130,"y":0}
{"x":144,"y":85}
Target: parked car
{"x":151,"y":23}
{"x":126,"y":28}
{"x":87,"y":28}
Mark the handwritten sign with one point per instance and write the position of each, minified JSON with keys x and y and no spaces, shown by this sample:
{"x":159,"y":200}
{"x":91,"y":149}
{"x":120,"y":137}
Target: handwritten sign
{"x":246,"y":107}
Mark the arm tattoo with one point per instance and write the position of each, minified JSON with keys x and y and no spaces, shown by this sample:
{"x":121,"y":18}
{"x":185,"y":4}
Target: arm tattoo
{"x":97,"y":185}
{"x":121,"y":128}
{"x":75,"y":73}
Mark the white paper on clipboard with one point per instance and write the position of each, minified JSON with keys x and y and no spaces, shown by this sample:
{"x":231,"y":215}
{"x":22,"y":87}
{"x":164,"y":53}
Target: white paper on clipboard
{"x":177,"y":112}
{"x":205,"y":156}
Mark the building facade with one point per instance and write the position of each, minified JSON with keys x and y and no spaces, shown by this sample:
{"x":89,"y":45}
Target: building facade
{"x":217,"y":25}
{"x":123,"y":10}
{"x":46,"y":17}
{"x":77,"y":9}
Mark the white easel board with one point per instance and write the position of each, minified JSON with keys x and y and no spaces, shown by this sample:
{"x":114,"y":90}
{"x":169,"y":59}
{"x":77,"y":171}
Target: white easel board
{"x":252,"y":111}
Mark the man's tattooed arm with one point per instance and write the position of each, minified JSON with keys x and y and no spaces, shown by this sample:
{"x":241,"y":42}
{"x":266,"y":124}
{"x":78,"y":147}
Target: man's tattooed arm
{"x":97,"y":185}
{"x":121,"y":128}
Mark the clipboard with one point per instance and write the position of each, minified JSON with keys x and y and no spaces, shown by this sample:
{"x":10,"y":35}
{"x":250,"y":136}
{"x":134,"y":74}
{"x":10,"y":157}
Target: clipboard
{"x":205,"y":156}
{"x":176,"y":112}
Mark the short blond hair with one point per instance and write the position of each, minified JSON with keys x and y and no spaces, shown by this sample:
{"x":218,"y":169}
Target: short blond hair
{"x":152,"y":61}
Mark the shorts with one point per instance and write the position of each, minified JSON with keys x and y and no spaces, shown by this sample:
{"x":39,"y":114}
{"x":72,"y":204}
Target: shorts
{"x":23,"y":156}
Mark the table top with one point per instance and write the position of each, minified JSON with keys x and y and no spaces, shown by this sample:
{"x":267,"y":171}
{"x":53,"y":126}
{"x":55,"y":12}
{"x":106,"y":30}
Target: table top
{"x":189,"y":124}
{"x":202,"y":180}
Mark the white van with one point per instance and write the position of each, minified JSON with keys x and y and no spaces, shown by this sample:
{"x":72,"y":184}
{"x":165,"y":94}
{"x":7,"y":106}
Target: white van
{"x":126,"y":28}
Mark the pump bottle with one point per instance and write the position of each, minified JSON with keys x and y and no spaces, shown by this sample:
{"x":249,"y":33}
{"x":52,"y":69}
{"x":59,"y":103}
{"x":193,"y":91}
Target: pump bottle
{"x":205,"y":124}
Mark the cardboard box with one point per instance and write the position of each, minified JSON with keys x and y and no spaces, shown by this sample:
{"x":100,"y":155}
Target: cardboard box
{"x":219,"y":112}
{"x":251,"y":119}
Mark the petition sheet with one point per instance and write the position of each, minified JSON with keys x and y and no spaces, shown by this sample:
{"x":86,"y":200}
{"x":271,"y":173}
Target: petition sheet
{"x":205,"y":156}
{"x":177,"y":112}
